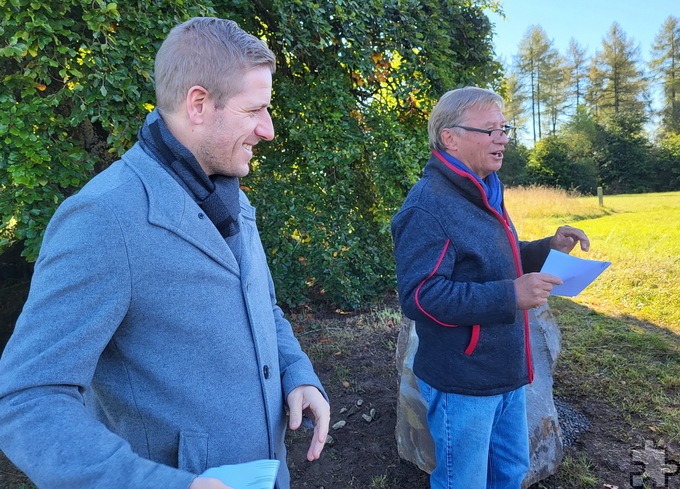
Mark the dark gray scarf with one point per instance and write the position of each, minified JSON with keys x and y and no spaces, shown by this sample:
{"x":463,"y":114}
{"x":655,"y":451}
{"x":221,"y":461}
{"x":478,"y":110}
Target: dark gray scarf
{"x":217,"y":196}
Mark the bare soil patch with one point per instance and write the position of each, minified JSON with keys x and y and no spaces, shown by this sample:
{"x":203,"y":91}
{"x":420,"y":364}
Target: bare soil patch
{"x":354,"y":355}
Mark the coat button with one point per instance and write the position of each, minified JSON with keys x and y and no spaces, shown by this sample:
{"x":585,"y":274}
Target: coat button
{"x":201,"y":215}
{"x":265,"y":371}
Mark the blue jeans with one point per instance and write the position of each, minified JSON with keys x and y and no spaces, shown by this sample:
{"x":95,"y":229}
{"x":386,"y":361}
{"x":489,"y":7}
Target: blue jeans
{"x":481,"y":442}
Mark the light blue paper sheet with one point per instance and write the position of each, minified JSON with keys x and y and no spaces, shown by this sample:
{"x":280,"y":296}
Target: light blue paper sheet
{"x":576,"y":273}
{"x":259,"y":474}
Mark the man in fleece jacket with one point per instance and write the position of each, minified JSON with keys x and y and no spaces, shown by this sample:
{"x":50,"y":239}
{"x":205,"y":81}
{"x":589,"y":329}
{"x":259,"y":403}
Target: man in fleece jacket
{"x":467,"y":281}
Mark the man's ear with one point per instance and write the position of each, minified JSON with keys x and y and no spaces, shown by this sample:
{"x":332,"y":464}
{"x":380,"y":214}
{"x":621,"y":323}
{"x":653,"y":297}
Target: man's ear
{"x":196,"y":103}
{"x":448,"y":139}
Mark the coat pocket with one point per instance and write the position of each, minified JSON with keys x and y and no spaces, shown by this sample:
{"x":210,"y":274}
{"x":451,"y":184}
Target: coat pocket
{"x":192,"y":455}
{"x":474,"y":339}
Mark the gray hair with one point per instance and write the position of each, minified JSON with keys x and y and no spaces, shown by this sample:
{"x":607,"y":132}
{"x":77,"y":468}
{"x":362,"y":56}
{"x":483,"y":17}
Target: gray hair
{"x":452,"y":109}
{"x":210,"y":52}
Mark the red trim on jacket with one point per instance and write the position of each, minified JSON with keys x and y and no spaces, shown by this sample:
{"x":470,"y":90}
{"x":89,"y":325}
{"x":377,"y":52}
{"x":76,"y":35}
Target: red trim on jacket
{"x":420,"y":286}
{"x":516,"y":254}
{"x":474,"y":339}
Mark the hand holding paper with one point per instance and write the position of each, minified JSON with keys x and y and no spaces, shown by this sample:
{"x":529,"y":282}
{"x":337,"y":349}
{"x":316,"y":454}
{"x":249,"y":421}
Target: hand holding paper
{"x":576,"y":273}
{"x":259,"y":474}
{"x":533,"y":289}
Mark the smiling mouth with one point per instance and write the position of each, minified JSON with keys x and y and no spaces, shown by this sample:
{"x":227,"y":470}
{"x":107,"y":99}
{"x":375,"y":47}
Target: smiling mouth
{"x":248,"y":147}
{"x":498,"y":154}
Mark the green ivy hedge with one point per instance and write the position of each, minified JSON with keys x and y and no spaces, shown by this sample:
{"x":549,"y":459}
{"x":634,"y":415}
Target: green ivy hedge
{"x":355,"y":82}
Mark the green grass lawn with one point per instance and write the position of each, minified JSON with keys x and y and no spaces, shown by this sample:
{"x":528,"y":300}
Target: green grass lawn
{"x":639,"y":234}
{"x":621,"y":335}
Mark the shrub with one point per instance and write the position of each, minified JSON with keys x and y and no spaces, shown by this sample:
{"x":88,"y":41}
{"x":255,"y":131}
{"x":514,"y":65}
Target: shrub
{"x":354,"y":84}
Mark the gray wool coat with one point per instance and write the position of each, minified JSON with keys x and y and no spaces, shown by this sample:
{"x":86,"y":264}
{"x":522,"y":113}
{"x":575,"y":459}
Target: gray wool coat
{"x":146,"y":353}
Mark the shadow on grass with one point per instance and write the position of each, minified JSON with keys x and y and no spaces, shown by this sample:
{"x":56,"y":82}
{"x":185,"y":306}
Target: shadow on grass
{"x":624,"y":375}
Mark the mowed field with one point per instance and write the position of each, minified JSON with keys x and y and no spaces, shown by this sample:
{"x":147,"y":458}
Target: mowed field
{"x":639,"y":234}
{"x":620,"y":359}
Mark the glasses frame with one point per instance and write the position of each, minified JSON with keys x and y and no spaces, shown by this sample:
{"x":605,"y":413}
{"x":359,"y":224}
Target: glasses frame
{"x":507,"y":129}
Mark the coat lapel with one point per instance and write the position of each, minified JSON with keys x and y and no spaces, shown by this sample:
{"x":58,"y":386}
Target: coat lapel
{"x":248,"y":227}
{"x":170,"y":207}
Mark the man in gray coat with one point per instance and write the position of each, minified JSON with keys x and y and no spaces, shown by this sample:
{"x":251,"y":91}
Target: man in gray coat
{"x":151,"y":347}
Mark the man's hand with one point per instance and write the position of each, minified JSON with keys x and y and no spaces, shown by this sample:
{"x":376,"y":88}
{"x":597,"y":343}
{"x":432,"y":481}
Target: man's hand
{"x":208,"y":483}
{"x":308,"y":399}
{"x":533,"y":289}
{"x":566,"y":238}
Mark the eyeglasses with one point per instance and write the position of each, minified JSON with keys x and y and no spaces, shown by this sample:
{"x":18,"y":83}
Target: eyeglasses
{"x":494,"y":133}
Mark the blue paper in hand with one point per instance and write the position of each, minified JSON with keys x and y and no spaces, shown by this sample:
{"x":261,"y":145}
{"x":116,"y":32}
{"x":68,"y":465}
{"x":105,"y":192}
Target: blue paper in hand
{"x":259,"y":474}
{"x":576,"y":273}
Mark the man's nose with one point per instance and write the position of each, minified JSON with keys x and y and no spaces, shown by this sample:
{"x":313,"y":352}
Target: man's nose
{"x":265,"y":127}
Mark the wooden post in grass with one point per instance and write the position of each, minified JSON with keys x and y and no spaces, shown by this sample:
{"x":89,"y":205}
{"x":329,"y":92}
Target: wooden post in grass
{"x":599,"y":196}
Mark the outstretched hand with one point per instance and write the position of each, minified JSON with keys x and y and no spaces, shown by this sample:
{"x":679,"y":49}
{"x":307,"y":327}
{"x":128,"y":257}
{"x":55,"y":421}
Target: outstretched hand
{"x":566,"y":237}
{"x":308,"y":399}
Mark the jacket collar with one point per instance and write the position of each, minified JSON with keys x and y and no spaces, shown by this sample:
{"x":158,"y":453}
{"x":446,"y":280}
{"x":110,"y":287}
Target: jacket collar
{"x":172,"y":208}
{"x":464,"y":183}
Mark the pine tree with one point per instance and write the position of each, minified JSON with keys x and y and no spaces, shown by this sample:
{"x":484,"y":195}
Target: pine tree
{"x":535,"y":66}
{"x":577,"y":74}
{"x":617,"y":83}
{"x":515,"y":100}
{"x":665,"y":66}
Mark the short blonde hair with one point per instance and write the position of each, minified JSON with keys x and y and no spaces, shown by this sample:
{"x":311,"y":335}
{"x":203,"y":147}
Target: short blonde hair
{"x":210,"y":52}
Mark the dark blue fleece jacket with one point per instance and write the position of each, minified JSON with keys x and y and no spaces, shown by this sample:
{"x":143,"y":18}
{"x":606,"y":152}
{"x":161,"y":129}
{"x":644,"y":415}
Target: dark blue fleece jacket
{"x":456,"y":261}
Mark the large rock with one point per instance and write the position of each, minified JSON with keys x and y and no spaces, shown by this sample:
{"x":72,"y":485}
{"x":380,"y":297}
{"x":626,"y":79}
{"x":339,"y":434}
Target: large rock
{"x":413,"y":439}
